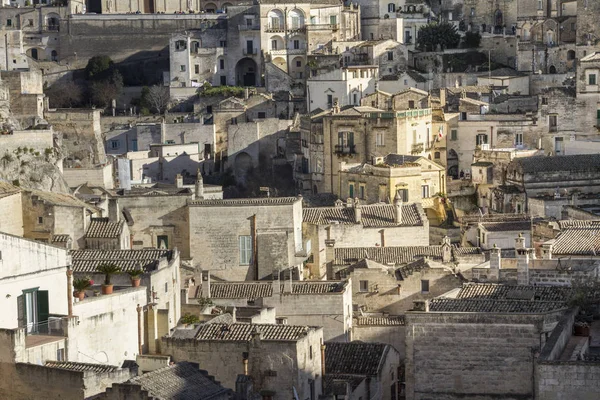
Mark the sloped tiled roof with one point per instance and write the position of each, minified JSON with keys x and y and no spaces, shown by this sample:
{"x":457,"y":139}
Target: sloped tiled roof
{"x":395,"y":320}
{"x":182,"y":381}
{"x":60,"y":238}
{"x":255,"y":290}
{"x":386,"y":255}
{"x":59,"y":199}
{"x":336,"y":384}
{"x":578,"y":240}
{"x":127,"y":260}
{"x":354,"y":358}
{"x":244,"y":332}
{"x":6,"y":189}
{"x":520,"y":226}
{"x":374,"y":215}
{"x":459,"y":251}
{"x":494,"y":306}
{"x":546,"y":164}
{"x":492,"y":291}
{"x":102,"y":228}
{"x":81,"y":367}
{"x":404,"y":272}
{"x":260,"y":201}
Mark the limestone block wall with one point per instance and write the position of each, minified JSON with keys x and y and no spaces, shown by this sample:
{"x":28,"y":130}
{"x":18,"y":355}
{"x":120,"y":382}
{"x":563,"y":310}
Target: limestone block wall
{"x":392,"y":335}
{"x":101,"y":176}
{"x":453,"y":356}
{"x":39,"y":140}
{"x":11,"y":214}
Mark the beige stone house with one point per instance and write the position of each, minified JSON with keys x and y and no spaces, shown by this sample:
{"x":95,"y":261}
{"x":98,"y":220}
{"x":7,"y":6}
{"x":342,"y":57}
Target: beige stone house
{"x":280,"y":359}
{"x":11,"y":209}
{"x":102,"y":234}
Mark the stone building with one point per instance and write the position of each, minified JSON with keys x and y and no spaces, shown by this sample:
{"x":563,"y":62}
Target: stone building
{"x":48,"y":214}
{"x":332,"y":309}
{"x":280,"y":359}
{"x":161,"y":277}
{"x":259,"y":234}
{"x":380,"y":328}
{"x":341,"y":86}
{"x":486,"y":317}
{"x":363,"y":369}
{"x":496,"y":17}
{"x":416,"y":178}
{"x":26,"y":96}
{"x":102,"y":234}
{"x":355,"y":225}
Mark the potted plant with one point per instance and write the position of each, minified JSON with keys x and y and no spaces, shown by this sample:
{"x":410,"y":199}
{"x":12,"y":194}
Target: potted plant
{"x":136,"y":277}
{"x":108,"y":270}
{"x":80,"y":286}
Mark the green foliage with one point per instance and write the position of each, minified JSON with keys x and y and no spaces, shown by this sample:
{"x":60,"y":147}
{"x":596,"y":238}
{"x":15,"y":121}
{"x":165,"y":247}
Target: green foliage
{"x":98,"y":66}
{"x":472,"y":39}
{"x":205,"y":301}
{"x":190,"y":319}
{"x":105,"y":90}
{"x":65,"y":94}
{"x":48,"y":151}
{"x":82,"y":284}
{"x":433,"y":35}
{"x":108,"y":269}
{"x":7,"y":158}
{"x":226,"y":91}
{"x":16,"y":182}
{"x":136,"y":273}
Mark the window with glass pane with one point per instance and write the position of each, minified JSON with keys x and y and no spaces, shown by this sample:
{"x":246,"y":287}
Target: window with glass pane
{"x":245,"y":250}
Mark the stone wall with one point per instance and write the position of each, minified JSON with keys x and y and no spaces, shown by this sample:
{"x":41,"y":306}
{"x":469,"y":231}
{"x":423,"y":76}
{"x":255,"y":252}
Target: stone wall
{"x":392,"y":335}
{"x":39,"y":140}
{"x":101,"y":176}
{"x":11,"y":214}
{"x":479,"y":356}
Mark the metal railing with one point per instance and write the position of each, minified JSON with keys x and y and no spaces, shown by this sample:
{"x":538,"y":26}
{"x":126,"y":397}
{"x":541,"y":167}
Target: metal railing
{"x":323,"y":27}
{"x":417,"y":148}
{"x":253,"y":27}
{"x":348,"y":149}
{"x":275,"y":28}
{"x":52,"y":327}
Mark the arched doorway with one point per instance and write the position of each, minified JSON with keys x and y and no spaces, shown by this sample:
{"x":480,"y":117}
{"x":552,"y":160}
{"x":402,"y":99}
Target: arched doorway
{"x":243,"y":164}
{"x":54,"y":55}
{"x":452,"y":164}
{"x":245,"y":72}
{"x":498,"y":21}
{"x":280,"y":62}
{"x":34,"y":54}
{"x":552,"y":69}
{"x":210,"y":7}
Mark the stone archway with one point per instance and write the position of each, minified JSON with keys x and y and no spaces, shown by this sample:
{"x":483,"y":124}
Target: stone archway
{"x":246,"y":72}
{"x":281,"y":63}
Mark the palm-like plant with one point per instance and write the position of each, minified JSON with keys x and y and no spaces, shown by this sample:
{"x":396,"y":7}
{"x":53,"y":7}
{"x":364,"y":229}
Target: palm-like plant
{"x":81,"y":284}
{"x":108,"y":269}
{"x":135,"y":274}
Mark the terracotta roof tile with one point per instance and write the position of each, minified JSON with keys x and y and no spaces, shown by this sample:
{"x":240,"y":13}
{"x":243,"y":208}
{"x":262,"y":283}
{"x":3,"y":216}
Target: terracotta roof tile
{"x":60,"y":238}
{"x":520,"y":226}
{"x":6,"y":189}
{"x":583,"y":239}
{"x":386,"y":255}
{"x":102,"y":228}
{"x":374,"y":215}
{"x":255,"y":290}
{"x":492,"y":291}
{"x":182,"y":381}
{"x":244,"y":332}
{"x":81,"y":367}
{"x":546,"y":164}
{"x":396,"y":320}
{"x":262,"y":201}
{"x":355,"y":358}
{"x":128,"y":260}
{"x":494,"y":306}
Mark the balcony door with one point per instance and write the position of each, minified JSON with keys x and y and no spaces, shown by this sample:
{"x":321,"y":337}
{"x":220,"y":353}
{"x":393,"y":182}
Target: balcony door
{"x":32,"y":310}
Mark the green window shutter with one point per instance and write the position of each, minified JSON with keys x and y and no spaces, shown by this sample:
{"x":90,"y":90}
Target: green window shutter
{"x":598,"y":114}
{"x":42,"y":306}
{"x":22,"y":318}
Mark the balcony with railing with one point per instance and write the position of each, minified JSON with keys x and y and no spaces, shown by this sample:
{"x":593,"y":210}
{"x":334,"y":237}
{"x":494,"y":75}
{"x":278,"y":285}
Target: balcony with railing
{"x":417,"y":148}
{"x":275,"y":28}
{"x":345,"y":149}
{"x":250,"y":52}
{"x":282,"y":52}
{"x":297,"y":29}
{"x":323,"y":27}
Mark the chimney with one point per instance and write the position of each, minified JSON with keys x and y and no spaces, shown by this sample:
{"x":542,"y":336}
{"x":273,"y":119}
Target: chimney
{"x":322,"y":361}
{"x":357,"y":211}
{"x":421,"y":305}
{"x":276,"y":282}
{"x":519,"y":242}
{"x":234,"y":314}
{"x":199,"y":188}
{"x":287,"y":286}
{"x":547,"y":250}
{"x":446,"y":250}
{"x":495,"y":263}
{"x":178,"y":181}
{"x":349,"y":202}
{"x":245,"y":361}
{"x":206,"y":284}
{"x":398,"y":209}
{"x":329,"y":250}
{"x":523,"y":257}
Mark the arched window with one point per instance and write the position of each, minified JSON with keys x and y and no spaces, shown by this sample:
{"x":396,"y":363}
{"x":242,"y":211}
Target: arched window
{"x":54,"y":55}
{"x":571,"y":55}
{"x":552,"y":69}
{"x":391,"y":7}
{"x":34,"y":54}
{"x":436,"y":155}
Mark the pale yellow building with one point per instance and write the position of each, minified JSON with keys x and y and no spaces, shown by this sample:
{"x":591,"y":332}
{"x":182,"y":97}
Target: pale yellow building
{"x":11,"y":212}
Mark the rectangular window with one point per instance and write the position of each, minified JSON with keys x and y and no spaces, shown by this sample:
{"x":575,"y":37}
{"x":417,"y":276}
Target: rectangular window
{"x":333,"y":19}
{"x":424,"y":286}
{"x":221,"y":64}
{"x":472,"y":11}
{"x":245,"y":250}
{"x":197,"y":69}
{"x":234,"y":121}
{"x":380,"y":139}
{"x":480,"y":139}
{"x":60,"y":355}
{"x":114,"y":144}
{"x":40,"y":220}
{"x":298,"y":64}
{"x":262,"y":115}
{"x":162,"y":242}
{"x":361,"y":191}
{"x":273,"y":44}
{"x":403,"y":194}
{"x":182,"y":68}
{"x":463,"y":116}
{"x":540,"y":5}
{"x":9,"y":22}
{"x":519,"y":139}
{"x":351,"y":190}
{"x":329,"y":100}
{"x":553,"y":123}
{"x":364,"y":286}
{"x":424,"y":191}
{"x":390,"y":55}
{"x":454,"y":134}
{"x":296,"y":44}
{"x":134,"y":145}
{"x":544,"y":101}
{"x":223,"y":43}
{"x":166,"y":287}
{"x":223,"y":80}
{"x":591,"y":79}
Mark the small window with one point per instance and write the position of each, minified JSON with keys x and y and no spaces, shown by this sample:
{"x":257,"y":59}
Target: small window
{"x":182,"y":68}
{"x":436,"y":155}
{"x":30,"y":22}
{"x":166,"y":287}
{"x":296,"y":44}
{"x":245,"y":247}
{"x":519,"y":139}
{"x":425,"y":191}
{"x":310,"y":353}
{"x":391,"y":7}
{"x":390,"y":55}
{"x":234,"y":121}
{"x":380,"y":139}
{"x":361,"y":191}
{"x":262,"y":115}
{"x":411,"y":104}
{"x":197,"y":69}
{"x":544,"y":101}
{"x":424,"y":286}
{"x":351,"y":190}
{"x":60,"y":355}
{"x":592,"y":79}
{"x":463,"y":116}
{"x":454,"y":134}
{"x":222,"y":64}
{"x":472,"y":11}
{"x":364,"y":286}
{"x":223,"y":43}
{"x":40,"y":220}
{"x":9,"y":22}
{"x":223,"y":80}
{"x":298,"y":63}
{"x":114,"y":144}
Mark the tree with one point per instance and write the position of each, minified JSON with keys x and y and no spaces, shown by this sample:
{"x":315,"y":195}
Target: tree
{"x":158,"y":98}
{"x":433,"y":35}
{"x":98,"y":67}
{"x":472,"y":39}
{"x":105,"y":90}
{"x":65,"y":94}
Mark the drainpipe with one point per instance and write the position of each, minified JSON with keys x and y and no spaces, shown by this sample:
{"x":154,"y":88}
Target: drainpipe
{"x":254,"y":247}
{"x":70,"y":292}
{"x":323,"y":367}
{"x":139,"y":315}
